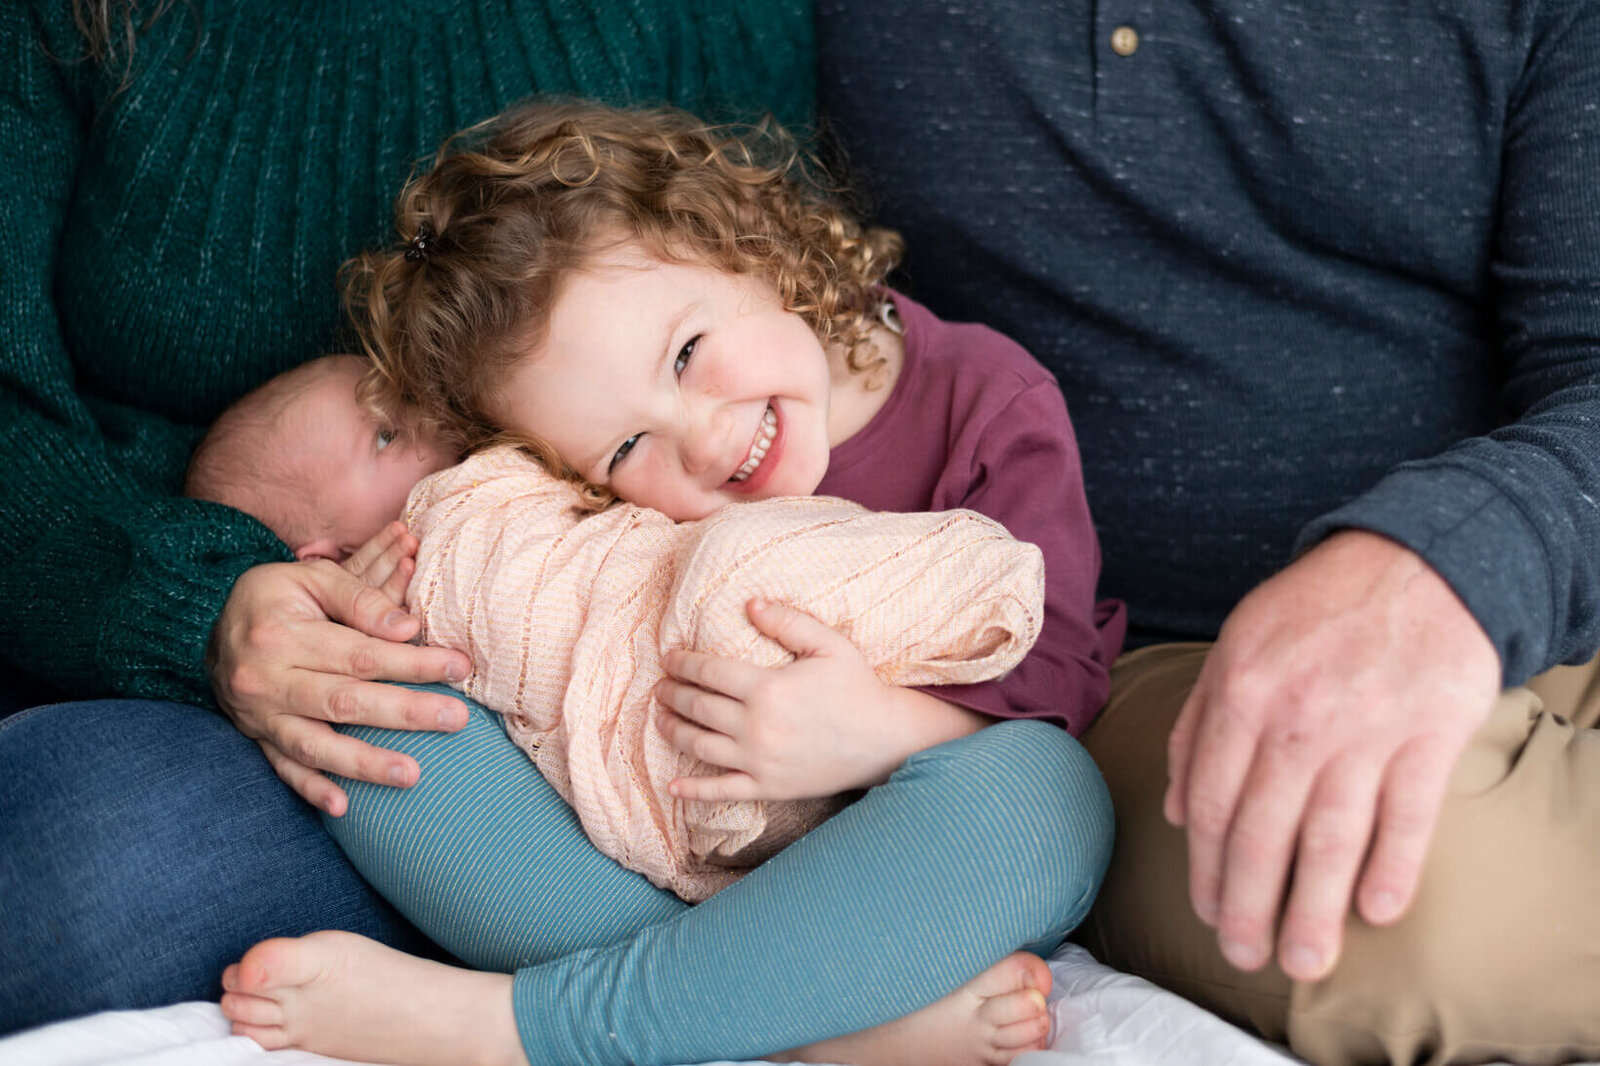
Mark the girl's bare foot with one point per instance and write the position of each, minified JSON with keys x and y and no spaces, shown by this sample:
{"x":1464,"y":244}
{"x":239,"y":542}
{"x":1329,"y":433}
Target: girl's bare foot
{"x":343,"y":995}
{"x":988,"y":1021}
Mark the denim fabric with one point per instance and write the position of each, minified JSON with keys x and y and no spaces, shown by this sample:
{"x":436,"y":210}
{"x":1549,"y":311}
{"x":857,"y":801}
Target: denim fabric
{"x":972,"y":850}
{"x":143,"y":847}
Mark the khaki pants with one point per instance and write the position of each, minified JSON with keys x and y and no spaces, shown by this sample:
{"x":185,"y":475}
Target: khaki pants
{"x":1499,"y":956}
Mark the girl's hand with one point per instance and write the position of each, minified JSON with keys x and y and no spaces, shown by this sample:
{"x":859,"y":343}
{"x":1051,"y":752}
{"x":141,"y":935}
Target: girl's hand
{"x":300,"y":645}
{"x":386,"y":562}
{"x":820,"y":725}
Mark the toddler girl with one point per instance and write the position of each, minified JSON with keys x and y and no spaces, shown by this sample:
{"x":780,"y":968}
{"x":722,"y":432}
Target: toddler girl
{"x":507,"y":550}
{"x":669,"y":316}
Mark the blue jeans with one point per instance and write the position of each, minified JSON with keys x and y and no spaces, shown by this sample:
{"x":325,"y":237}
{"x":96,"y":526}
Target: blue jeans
{"x":143,"y":847}
{"x":973,"y":849}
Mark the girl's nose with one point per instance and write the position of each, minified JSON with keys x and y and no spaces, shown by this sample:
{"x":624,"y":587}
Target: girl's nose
{"x":704,"y":442}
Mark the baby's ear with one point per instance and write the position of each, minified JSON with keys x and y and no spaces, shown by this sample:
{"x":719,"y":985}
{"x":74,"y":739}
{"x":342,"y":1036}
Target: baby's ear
{"x":322,"y":548}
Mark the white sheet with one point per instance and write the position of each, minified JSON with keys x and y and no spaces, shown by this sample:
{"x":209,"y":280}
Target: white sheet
{"x":1102,"y":1018}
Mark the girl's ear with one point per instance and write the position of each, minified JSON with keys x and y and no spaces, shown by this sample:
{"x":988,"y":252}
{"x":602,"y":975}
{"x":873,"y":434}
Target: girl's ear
{"x":322,"y":548}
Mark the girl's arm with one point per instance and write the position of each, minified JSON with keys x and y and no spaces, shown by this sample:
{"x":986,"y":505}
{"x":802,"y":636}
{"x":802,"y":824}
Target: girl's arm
{"x":1023,"y":471}
{"x":818,"y":726}
{"x":815,"y":726}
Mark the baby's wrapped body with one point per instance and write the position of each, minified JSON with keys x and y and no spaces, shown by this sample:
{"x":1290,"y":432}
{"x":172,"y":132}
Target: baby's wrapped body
{"x":567,"y":614}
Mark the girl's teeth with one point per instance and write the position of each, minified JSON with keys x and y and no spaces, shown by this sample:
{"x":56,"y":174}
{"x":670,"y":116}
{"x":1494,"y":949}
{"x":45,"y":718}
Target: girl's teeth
{"x":758,"y":451}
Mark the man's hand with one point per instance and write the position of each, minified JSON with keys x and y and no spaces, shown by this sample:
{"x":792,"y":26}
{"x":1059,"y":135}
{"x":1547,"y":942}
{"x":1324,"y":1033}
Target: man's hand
{"x":1321,"y":734}
{"x":300,"y":645}
{"x":820,"y":725}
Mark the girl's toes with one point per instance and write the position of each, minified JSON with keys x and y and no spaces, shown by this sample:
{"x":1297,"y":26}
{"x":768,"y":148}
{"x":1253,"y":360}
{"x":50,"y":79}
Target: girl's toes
{"x":275,"y":964}
{"x":1030,"y":1035}
{"x":1014,"y":973}
{"x":1034,"y":972}
{"x":251,"y":1010}
{"x":269,"y":1037}
{"x":1025,"y":1006}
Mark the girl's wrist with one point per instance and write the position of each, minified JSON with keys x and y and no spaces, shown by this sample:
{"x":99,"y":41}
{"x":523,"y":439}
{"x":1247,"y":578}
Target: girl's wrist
{"x":919,"y":721}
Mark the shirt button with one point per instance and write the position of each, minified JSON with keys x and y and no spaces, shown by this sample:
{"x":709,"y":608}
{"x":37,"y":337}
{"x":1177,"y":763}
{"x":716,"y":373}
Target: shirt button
{"x":1124,"y":40}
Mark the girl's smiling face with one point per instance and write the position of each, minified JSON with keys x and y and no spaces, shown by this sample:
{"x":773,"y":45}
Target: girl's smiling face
{"x":676,"y":386}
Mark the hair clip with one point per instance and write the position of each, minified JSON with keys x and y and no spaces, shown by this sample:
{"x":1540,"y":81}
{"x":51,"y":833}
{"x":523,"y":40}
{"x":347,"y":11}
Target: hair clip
{"x":889,"y":315}
{"x":419,"y":245}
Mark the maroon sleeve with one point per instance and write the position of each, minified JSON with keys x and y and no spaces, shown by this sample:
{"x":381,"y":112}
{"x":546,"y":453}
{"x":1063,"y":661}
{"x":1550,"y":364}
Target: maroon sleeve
{"x":1024,"y":472}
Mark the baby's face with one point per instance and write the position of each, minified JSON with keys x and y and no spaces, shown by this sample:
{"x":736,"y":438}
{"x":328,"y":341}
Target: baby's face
{"x":360,"y":470}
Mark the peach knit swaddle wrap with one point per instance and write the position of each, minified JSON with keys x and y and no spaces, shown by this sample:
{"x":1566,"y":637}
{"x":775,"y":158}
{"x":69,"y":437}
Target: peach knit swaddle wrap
{"x":566,"y":614}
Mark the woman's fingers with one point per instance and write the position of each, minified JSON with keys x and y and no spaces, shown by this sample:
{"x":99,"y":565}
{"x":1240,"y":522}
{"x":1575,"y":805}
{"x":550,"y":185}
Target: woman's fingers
{"x":318,"y":747}
{"x":311,"y":786}
{"x":342,"y":597}
{"x":332,"y":695}
{"x":284,"y":666}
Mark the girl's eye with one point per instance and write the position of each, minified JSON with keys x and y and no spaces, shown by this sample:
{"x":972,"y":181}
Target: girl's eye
{"x":680,"y":364}
{"x":622,"y":452}
{"x":385,"y":438}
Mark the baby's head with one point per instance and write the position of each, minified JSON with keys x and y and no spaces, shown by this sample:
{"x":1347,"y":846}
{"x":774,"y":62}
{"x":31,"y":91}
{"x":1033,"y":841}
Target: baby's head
{"x":493,"y":236}
{"x":313,"y":462}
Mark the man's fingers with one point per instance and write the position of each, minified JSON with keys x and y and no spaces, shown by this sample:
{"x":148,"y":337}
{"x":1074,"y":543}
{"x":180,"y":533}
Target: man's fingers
{"x":1256,"y":857}
{"x":1180,"y":752}
{"x":309,"y":785}
{"x":1413,"y":792}
{"x":318,"y":746}
{"x":1224,"y":749}
{"x":1334,"y":833}
{"x":704,"y":708}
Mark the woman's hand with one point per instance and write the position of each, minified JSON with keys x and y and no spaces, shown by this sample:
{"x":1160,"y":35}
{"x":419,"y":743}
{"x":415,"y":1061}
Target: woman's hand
{"x":817,"y":726}
{"x":1319,"y":739}
{"x":300,"y":645}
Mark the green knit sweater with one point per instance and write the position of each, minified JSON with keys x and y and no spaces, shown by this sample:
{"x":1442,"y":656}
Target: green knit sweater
{"x":170,"y":246}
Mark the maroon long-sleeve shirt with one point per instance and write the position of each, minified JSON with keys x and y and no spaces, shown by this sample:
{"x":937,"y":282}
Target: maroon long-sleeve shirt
{"x":975,"y":422}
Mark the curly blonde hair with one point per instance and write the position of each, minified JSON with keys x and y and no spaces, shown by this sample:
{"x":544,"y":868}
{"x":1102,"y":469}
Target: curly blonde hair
{"x":511,"y":206}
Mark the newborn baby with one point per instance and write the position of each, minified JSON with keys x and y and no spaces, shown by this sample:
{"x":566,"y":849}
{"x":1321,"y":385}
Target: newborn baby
{"x":308,"y":460}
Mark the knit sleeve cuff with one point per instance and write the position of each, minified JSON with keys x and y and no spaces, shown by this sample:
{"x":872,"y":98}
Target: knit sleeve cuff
{"x":1477,"y":539}
{"x":154,"y":645}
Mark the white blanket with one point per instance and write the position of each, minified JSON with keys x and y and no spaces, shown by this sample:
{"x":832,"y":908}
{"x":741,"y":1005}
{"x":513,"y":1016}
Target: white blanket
{"x":1102,"y":1018}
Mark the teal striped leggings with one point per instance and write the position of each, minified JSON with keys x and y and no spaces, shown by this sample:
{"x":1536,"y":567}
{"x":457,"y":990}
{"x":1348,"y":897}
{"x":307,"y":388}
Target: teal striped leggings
{"x":972,"y":850}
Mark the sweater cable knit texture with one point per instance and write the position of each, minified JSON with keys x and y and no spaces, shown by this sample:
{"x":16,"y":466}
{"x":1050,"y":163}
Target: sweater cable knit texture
{"x":174,"y":245}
